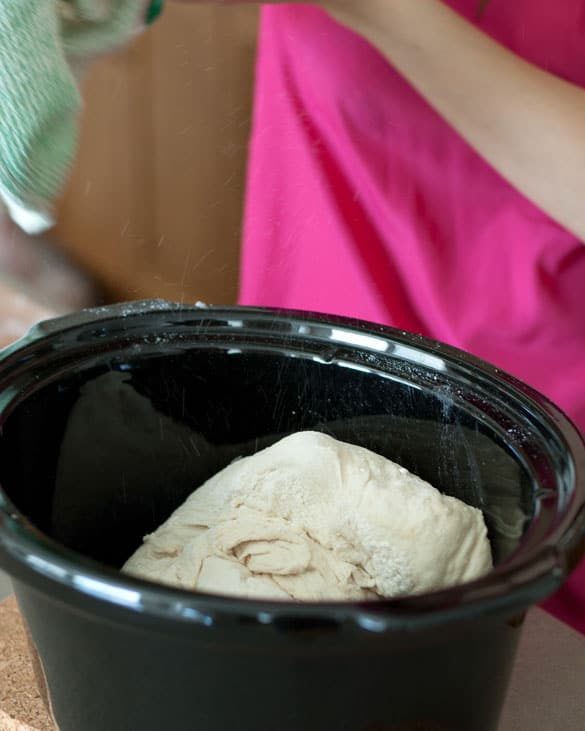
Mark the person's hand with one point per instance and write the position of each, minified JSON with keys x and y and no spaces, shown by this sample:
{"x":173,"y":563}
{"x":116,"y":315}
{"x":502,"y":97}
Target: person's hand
{"x":37,"y":266}
{"x":18,"y":313}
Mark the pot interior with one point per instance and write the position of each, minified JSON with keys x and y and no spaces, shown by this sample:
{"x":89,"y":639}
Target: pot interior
{"x":114,"y":428}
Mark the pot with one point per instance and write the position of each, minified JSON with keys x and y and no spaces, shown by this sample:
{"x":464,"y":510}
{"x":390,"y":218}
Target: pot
{"x":111,"y":417}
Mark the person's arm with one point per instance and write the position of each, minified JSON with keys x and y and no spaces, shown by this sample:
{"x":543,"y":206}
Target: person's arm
{"x":528,"y":124}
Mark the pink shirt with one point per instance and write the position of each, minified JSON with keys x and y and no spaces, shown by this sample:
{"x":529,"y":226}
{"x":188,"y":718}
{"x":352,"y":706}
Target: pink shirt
{"x":362,"y":201}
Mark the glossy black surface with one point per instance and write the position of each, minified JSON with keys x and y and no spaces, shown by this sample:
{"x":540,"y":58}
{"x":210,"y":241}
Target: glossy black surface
{"x":111,"y":418}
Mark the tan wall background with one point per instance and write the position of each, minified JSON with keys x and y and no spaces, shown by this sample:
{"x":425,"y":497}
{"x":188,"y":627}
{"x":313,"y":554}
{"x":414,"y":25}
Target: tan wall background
{"x":154,"y":205}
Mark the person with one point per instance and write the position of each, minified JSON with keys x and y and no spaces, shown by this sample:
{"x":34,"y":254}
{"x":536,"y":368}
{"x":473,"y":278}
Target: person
{"x":421,"y":163}
{"x":45,"y":47}
{"x":37,"y":280}
{"x":18,"y":313}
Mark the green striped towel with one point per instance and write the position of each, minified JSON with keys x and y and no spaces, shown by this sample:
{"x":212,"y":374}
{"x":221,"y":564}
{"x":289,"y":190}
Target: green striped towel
{"x":44,"y":47}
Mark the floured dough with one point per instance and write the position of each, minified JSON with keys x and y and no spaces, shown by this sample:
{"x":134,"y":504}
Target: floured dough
{"x":311,"y":518}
